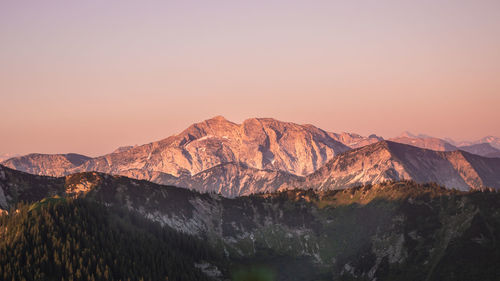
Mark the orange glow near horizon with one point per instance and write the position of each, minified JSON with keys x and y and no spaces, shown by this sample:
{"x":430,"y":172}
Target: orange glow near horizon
{"x":89,"y":77}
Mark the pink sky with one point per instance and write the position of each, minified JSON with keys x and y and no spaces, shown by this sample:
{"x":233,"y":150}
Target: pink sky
{"x":88,"y":76}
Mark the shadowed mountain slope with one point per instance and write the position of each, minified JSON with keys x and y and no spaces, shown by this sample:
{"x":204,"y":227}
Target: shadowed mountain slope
{"x":388,"y":160}
{"x":482,"y":149}
{"x":388,"y":231}
{"x":492,"y":140}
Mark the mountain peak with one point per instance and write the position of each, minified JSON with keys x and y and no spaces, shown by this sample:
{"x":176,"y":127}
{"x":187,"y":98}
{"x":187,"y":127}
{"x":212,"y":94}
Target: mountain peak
{"x":407,"y":134}
{"x":218,"y":118}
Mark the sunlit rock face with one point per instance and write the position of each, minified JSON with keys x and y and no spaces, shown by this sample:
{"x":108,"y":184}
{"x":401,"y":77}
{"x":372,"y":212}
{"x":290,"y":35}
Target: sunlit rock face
{"x":257,"y":143}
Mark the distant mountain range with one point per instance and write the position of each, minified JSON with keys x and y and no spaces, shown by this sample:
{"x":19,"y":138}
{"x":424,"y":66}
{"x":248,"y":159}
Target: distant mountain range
{"x":265,"y":155}
{"x":425,"y":142}
{"x":487,"y":147}
{"x":493,"y":141}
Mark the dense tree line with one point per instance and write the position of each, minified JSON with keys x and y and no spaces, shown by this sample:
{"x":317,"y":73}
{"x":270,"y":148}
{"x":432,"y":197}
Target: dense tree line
{"x":66,"y":239}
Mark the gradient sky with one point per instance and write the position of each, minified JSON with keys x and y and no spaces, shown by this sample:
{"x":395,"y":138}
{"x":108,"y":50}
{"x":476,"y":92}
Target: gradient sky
{"x":89,"y":76}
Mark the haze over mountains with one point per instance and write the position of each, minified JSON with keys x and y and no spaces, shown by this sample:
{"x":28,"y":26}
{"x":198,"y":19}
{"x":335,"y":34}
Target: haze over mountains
{"x":265,"y":155}
{"x":488,"y":146}
{"x":493,"y":141}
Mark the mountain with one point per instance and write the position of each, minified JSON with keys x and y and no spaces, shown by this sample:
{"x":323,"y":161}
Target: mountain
{"x":373,"y":163}
{"x":423,"y":141}
{"x":123,"y":148}
{"x":66,"y":239}
{"x":354,"y":140}
{"x":407,"y":134}
{"x":387,"y":160}
{"x":262,"y":143}
{"x":264,"y":155}
{"x":5,"y":156}
{"x":493,"y":141}
{"x":483,"y":149}
{"x":228,"y":179}
{"x":234,"y":179}
{"x":46,"y":164}
{"x":387,"y":231}
{"x":214,"y":155}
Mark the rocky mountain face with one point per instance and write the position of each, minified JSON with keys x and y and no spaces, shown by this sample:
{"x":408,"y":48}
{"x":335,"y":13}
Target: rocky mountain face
{"x":391,"y":161}
{"x":388,"y":231}
{"x":46,"y":164}
{"x":483,"y":149}
{"x":228,"y":179}
{"x":258,"y":143}
{"x":354,"y":140}
{"x":261,"y":143}
{"x":214,"y":155}
{"x":234,"y":179}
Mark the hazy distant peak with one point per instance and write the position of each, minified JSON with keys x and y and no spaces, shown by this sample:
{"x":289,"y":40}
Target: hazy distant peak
{"x":407,"y":134}
{"x":425,"y":142}
{"x":492,"y":140}
{"x":218,"y":118}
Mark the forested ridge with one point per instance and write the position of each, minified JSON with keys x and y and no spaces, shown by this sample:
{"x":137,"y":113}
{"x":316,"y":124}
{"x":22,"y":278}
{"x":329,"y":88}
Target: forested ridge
{"x":76,"y":239}
{"x":389,"y":231}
